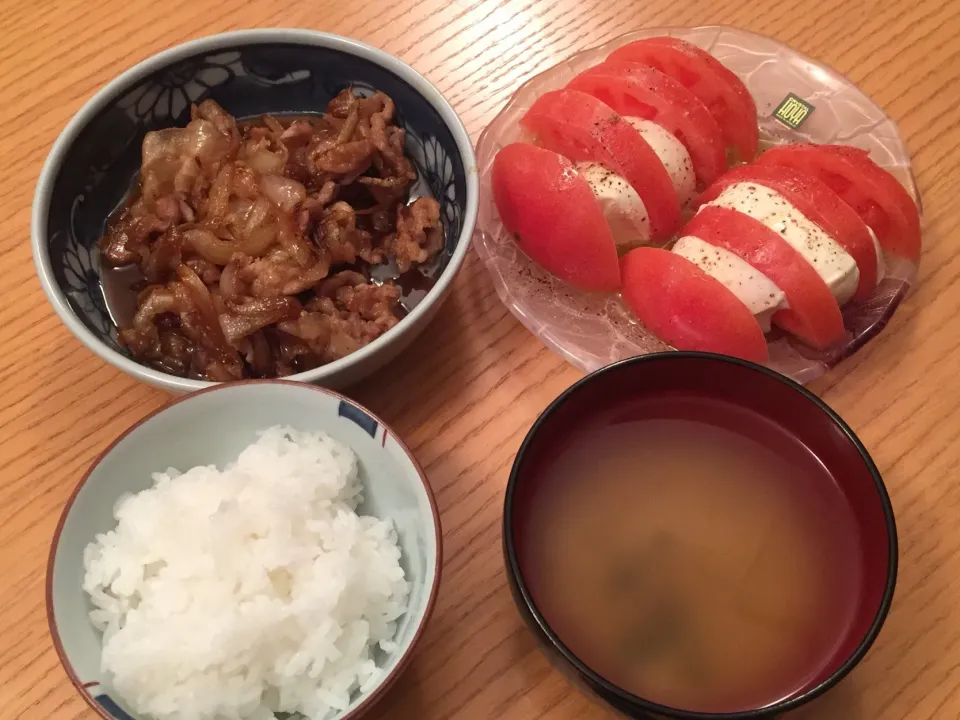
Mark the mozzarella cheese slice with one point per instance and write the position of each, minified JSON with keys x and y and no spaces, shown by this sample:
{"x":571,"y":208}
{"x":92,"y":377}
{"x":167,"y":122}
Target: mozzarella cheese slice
{"x":672,"y":154}
{"x":881,"y":265}
{"x":625,"y":212}
{"x":834,"y":264}
{"x":754,"y":289}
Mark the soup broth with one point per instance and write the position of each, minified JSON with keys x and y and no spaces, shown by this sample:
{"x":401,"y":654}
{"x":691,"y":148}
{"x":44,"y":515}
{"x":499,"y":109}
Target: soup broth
{"x":698,"y":567}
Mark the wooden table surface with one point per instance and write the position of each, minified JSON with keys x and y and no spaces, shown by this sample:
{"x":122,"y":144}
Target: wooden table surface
{"x":484,"y":378}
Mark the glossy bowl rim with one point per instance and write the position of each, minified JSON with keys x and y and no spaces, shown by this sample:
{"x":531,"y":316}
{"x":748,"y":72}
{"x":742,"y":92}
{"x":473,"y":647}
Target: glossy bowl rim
{"x":43,"y":193}
{"x":516,"y":577}
{"x":387,"y":681}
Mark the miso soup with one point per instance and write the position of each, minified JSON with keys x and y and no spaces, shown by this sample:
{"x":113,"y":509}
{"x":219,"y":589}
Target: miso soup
{"x":691,"y":563}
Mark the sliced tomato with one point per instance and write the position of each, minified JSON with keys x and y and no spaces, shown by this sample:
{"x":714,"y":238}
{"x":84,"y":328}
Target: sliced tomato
{"x":813,"y":315}
{"x":641,"y":91}
{"x":718,"y":88}
{"x":581,"y":127}
{"x":556,"y":220}
{"x":876,"y":196}
{"x":819,"y":204}
{"x":686,"y":308}
{"x":898,"y":193}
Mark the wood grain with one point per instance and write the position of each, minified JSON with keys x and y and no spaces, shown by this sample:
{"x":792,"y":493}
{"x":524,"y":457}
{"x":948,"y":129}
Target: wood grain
{"x":482,"y":379}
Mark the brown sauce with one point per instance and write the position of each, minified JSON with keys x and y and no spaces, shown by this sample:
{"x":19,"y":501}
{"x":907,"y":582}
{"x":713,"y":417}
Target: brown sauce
{"x":121,"y":286}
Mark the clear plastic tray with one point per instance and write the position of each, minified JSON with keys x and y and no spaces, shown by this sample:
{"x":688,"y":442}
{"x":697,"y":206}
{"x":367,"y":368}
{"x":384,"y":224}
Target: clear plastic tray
{"x":592,"y":330}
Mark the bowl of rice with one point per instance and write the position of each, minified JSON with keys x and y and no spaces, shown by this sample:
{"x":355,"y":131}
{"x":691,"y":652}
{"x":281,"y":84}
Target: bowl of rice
{"x":261,"y":550}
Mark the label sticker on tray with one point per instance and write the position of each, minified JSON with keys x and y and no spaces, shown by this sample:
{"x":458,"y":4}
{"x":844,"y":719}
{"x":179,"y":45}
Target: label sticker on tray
{"x":792,"y":111}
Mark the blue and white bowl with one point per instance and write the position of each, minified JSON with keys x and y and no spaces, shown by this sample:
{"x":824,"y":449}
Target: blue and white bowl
{"x":251,"y":72}
{"x":212,"y":427}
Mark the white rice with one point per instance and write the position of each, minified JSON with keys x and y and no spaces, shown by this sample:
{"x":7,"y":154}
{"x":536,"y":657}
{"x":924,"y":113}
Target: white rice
{"x":248,"y":591}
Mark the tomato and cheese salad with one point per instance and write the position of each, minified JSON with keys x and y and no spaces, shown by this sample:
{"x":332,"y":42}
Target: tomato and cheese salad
{"x":643,"y":178}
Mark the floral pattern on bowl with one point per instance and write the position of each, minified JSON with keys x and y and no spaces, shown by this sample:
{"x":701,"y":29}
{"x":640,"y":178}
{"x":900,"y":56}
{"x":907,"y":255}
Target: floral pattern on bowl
{"x":247,"y":80}
{"x":591,"y":330}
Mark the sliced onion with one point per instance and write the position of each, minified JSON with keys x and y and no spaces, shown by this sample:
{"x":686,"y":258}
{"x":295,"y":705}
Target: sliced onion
{"x":258,"y":241}
{"x":252,"y":227}
{"x":254,"y":314}
{"x":257,"y":307}
{"x":166,"y":144}
{"x":239,"y":208}
{"x":293,"y":242}
{"x":231,"y":285}
{"x":198,"y":292}
{"x":310,"y":327}
{"x":256,"y":215}
{"x":297,"y":135}
{"x":198,"y":141}
{"x":219,"y":197}
{"x":155,"y":301}
{"x":273,"y":124}
{"x":244,"y":183}
{"x":307,"y":279}
{"x":203,"y":141}
{"x":209,"y":246}
{"x":186,"y":176}
{"x":265,"y":162}
{"x":283,"y":192}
